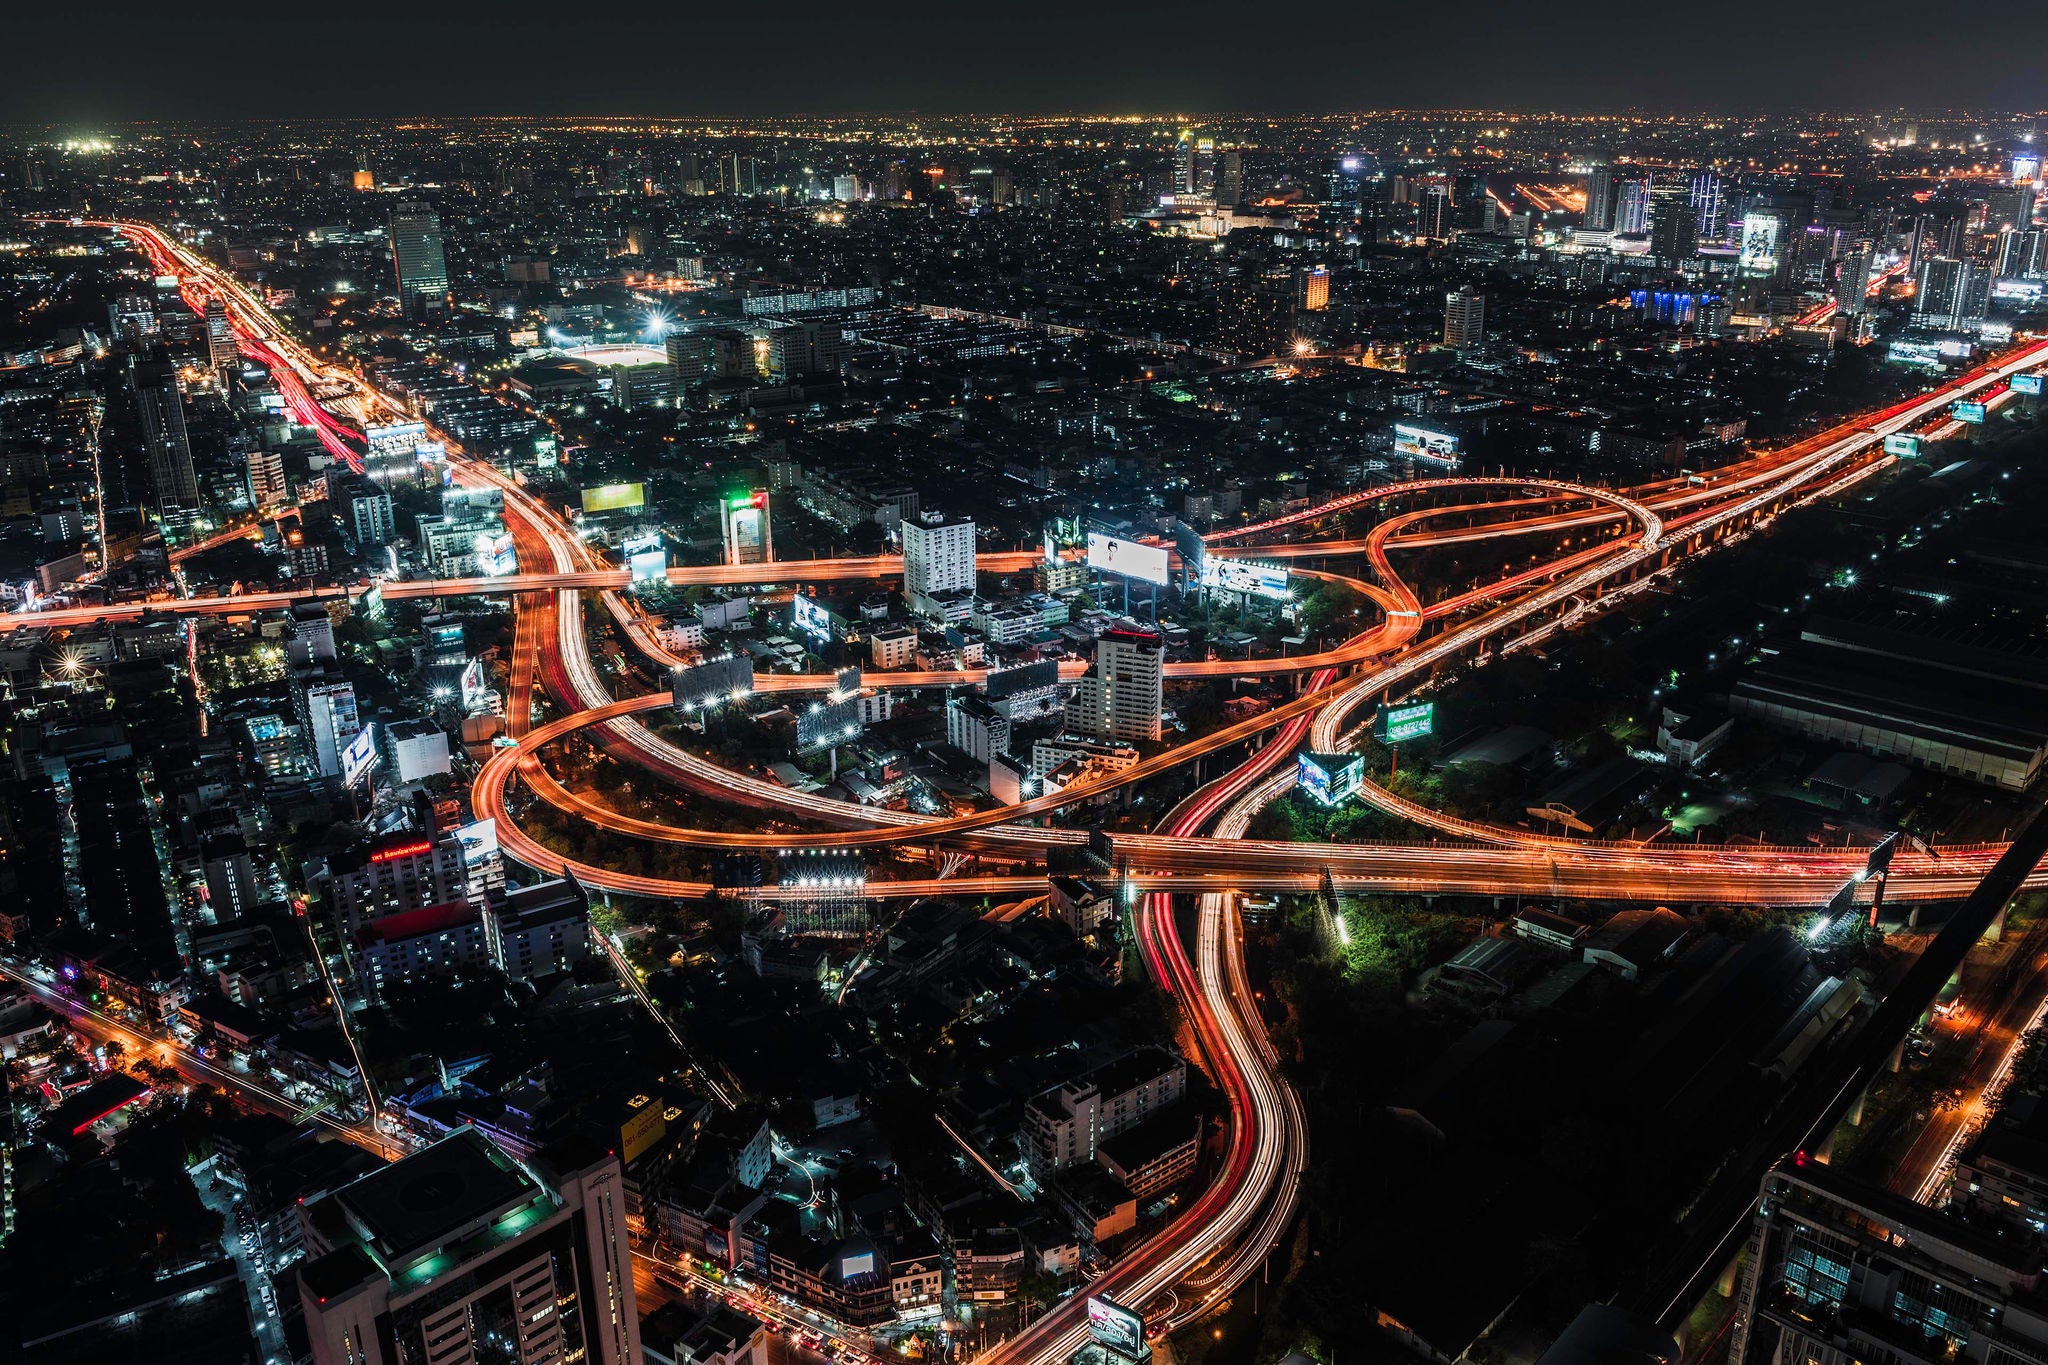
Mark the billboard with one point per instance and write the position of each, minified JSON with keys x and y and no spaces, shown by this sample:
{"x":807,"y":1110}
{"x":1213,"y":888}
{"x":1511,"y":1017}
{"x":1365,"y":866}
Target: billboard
{"x":1256,"y":580}
{"x":393,"y":453}
{"x":1423,"y":444}
{"x":1329,"y":779}
{"x":2027,"y":383}
{"x":811,"y":616}
{"x":1966,"y":410}
{"x":828,"y":723}
{"x":1116,"y":1327}
{"x":1759,"y":244}
{"x":723,"y":679}
{"x":1409,"y":720}
{"x":360,"y":756}
{"x":1127,"y":558}
{"x":645,"y":557}
{"x":1003,"y":683}
{"x":495,"y":556}
{"x":1902,"y":443}
{"x":475,"y":684}
{"x":614,"y":497}
{"x":1194,"y":554}
{"x":2024,"y":292}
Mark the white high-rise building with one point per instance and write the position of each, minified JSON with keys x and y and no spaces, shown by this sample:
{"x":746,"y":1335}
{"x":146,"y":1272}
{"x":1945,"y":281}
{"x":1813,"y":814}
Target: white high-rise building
{"x":938,"y":564}
{"x":327,"y":722}
{"x":221,"y":351}
{"x":1122,"y":698}
{"x":1464,"y":318}
{"x":421,"y":264}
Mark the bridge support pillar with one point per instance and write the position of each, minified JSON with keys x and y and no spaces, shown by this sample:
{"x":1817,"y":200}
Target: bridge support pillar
{"x":1725,"y":1285}
{"x":1826,"y":1154}
{"x":1898,"y":1057}
{"x":1997,"y":930}
{"x":1856,"y":1109}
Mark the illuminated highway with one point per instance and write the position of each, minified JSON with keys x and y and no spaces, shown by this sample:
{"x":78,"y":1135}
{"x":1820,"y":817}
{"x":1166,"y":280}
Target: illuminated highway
{"x":1219,"y":1239}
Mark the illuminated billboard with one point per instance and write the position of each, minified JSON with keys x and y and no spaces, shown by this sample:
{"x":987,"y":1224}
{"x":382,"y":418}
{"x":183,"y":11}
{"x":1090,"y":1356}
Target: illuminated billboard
{"x":1398,"y":724}
{"x":614,"y":497}
{"x":705,"y":685}
{"x":360,"y":756}
{"x":1902,"y":443}
{"x":1329,"y":779}
{"x":2027,"y":383}
{"x":1256,"y":580}
{"x":645,"y":557}
{"x":394,"y":451}
{"x":1127,"y":558}
{"x":811,"y":616}
{"x":1759,"y":244}
{"x":1968,"y":411}
{"x":1116,"y":1327}
{"x":2023,"y":292}
{"x":828,"y":723}
{"x":1423,"y":444}
{"x":494,"y":554}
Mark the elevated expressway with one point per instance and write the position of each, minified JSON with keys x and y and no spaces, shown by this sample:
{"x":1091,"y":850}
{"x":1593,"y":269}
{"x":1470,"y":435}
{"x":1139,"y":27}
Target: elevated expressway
{"x":1220,"y":1238}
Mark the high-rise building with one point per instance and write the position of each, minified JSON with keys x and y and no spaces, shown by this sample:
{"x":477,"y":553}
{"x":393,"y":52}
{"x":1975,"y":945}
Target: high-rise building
{"x":938,"y":565}
{"x":1311,"y":288}
{"x":221,"y":351}
{"x":1952,"y":294}
{"x":370,"y":516}
{"x":417,"y":254}
{"x":328,"y":719}
{"x":738,"y":174}
{"x":1632,"y":206}
{"x":1436,"y":221}
{"x":265,"y":478}
{"x":1599,"y":215}
{"x":2022,"y":254}
{"x":1839,"y":1271}
{"x":1230,"y":179}
{"x":749,"y":534}
{"x":458,"y":1253}
{"x":1674,"y":223}
{"x":133,"y":319}
{"x":1464,"y":318}
{"x":1852,"y":281}
{"x":393,"y":876}
{"x":1185,"y":163}
{"x":1709,"y":220}
{"x":166,"y":448}
{"x":1123,"y":697}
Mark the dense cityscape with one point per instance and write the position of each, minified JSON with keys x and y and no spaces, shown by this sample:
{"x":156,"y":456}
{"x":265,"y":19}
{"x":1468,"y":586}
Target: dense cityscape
{"x":1230,"y":739}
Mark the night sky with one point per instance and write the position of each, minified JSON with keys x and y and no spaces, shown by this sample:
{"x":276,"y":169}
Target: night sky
{"x":77,"y":62}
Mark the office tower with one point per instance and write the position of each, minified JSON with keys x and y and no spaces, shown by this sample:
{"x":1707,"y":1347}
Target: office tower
{"x":326,"y":712}
{"x":1709,"y":224}
{"x":738,"y":174}
{"x":1852,"y":283}
{"x":264,"y":478}
{"x":1599,"y":215}
{"x":938,"y":563}
{"x":1464,"y":318}
{"x":1437,"y":207}
{"x":309,"y":637}
{"x":749,"y":534}
{"x":1185,"y":159}
{"x":1230,"y":179}
{"x":1632,"y":206}
{"x":370,"y":516}
{"x":1122,"y":698}
{"x":1952,"y":295}
{"x":2022,"y":254}
{"x":416,"y":252}
{"x":166,"y":449}
{"x":458,"y":1253}
{"x":1674,"y":223}
{"x":1840,"y":1271}
{"x":221,"y":351}
{"x":363,"y":179}
{"x":1311,"y":288}
{"x":133,"y":319}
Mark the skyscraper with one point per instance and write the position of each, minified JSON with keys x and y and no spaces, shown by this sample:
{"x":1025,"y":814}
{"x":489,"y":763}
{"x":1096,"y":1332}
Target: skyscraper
{"x":1674,"y":224}
{"x":328,"y":720}
{"x":1464,"y":318}
{"x":1632,"y":206}
{"x":1852,"y":283}
{"x":1184,"y":157}
{"x":1122,"y":698}
{"x":1952,"y":296}
{"x":166,"y":448}
{"x":1599,"y":216}
{"x":938,"y":563}
{"x":460,"y":1253}
{"x":1436,"y":223}
{"x":1709,"y":221}
{"x":221,"y":351}
{"x":749,"y":534}
{"x":1230,"y":179}
{"x":422,"y":264}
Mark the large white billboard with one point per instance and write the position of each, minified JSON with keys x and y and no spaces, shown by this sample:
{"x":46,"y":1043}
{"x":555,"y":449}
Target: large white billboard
{"x":1423,"y":444}
{"x":1232,"y":575}
{"x":1126,"y":557}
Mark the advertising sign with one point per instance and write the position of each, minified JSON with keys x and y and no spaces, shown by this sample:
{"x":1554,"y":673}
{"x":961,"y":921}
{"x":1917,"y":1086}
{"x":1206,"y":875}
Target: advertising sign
{"x":715,"y":680}
{"x":2027,"y":383}
{"x":360,"y":756}
{"x":475,"y":684}
{"x":810,"y":616}
{"x":1410,"y":720}
{"x":614,"y":497}
{"x":1127,"y":558}
{"x":1902,"y":443}
{"x":1329,"y":779}
{"x":1194,"y":554}
{"x":1423,"y":444}
{"x":645,"y":557}
{"x":1116,"y":1327}
{"x":1759,"y":244}
{"x":828,"y":723}
{"x":1003,"y":683}
{"x":479,"y":842}
{"x":1257,"y":580}
{"x":1968,"y":411}
{"x":495,"y":556}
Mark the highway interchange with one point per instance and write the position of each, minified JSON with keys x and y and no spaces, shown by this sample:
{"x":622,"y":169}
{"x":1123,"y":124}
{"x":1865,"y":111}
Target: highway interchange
{"x":1221,"y":1236}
